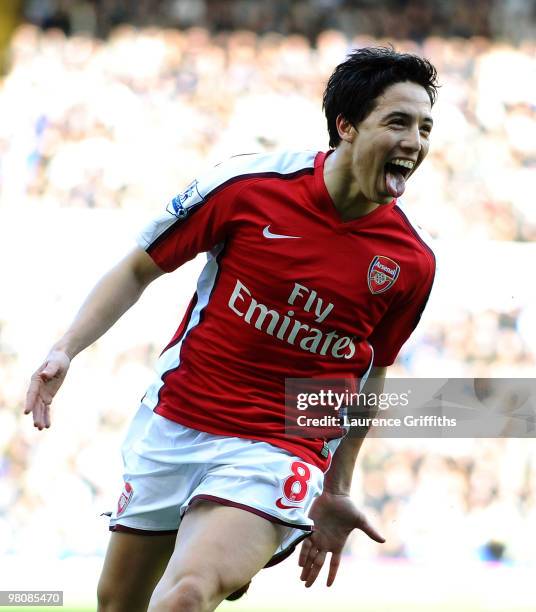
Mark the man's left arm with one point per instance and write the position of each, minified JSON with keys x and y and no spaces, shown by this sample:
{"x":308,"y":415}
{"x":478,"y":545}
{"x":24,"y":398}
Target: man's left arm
{"x":334,"y":513}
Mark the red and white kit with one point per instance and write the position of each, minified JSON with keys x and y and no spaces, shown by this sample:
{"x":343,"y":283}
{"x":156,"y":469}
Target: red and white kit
{"x":289,"y":290}
{"x":168,"y":467}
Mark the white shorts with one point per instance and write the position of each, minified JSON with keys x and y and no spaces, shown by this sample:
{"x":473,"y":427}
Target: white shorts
{"x":168,"y":467}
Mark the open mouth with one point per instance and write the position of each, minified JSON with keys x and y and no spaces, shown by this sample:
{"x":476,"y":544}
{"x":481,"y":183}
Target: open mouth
{"x":397,"y":172}
{"x":405,"y":171}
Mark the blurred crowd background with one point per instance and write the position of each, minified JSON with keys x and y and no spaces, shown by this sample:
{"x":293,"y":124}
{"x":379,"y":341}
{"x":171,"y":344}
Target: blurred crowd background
{"x":109,"y":108}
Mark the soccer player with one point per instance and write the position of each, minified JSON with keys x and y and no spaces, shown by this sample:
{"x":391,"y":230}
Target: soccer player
{"x":314,"y":271}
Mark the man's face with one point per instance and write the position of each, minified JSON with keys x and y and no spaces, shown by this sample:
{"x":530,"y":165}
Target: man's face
{"x":397,"y":130}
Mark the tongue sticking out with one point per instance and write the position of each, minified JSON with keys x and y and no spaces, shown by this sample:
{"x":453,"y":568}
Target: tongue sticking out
{"x":395,"y":183}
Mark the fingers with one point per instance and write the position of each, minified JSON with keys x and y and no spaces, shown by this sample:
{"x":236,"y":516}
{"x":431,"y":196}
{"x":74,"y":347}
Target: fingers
{"x":31,"y":396}
{"x":43,"y":420}
{"x":44,"y":384}
{"x":333,"y":568}
{"x":304,"y":552}
{"x":36,"y":404}
{"x":314,"y":563}
{"x":50,"y":370}
{"x":38,"y":411}
{"x":367,"y":528}
{"x":39,"y":415}
{"x":307,"y":554}
{"x":312,"y":567}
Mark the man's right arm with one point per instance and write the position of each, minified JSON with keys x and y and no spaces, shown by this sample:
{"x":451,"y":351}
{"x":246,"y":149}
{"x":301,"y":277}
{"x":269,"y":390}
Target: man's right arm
{"x":114,"y":294}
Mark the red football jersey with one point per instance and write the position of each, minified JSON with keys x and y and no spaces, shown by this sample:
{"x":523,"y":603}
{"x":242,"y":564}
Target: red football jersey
{"x":289,"y":290}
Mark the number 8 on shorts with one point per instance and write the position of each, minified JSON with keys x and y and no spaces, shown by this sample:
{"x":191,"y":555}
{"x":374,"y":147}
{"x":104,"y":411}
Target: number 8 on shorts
{"x":295,"y":486}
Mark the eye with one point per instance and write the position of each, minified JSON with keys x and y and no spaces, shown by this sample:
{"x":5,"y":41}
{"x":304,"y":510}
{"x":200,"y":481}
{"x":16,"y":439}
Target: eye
{"x":397,"y":125}
{"x":426,"y":129}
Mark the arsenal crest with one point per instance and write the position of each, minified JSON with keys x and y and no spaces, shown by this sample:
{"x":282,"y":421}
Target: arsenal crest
{"x":382,"y":274}
{"x":124,"y":498}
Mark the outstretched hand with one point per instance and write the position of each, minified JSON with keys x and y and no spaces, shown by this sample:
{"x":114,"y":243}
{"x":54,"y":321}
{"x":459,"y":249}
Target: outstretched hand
{"x":335,"y":517}
{"x":45,"y":382}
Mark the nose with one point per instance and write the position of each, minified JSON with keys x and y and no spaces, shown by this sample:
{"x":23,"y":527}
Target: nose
{"x":412,"y":139}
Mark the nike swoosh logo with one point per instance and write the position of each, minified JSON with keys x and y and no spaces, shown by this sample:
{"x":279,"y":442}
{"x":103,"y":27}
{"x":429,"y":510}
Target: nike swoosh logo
{"x":268,"y":234}
{"x":283,"y":506}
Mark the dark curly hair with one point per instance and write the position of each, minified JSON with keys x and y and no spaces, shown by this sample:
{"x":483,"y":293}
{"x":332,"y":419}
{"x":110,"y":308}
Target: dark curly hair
{"x":366,"y":73}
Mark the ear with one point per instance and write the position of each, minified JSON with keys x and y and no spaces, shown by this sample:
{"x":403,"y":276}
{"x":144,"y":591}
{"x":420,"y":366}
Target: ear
{"x":346,"y":130}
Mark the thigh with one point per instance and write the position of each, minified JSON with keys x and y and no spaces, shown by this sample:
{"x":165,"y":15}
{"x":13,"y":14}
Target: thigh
{"x":132,"y":567}
{"x":268,"y":482}
{"x":222,"y":547}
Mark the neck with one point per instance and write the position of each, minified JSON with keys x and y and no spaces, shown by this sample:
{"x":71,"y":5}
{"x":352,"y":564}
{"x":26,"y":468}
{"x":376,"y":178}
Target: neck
{"x":342,"y":186}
